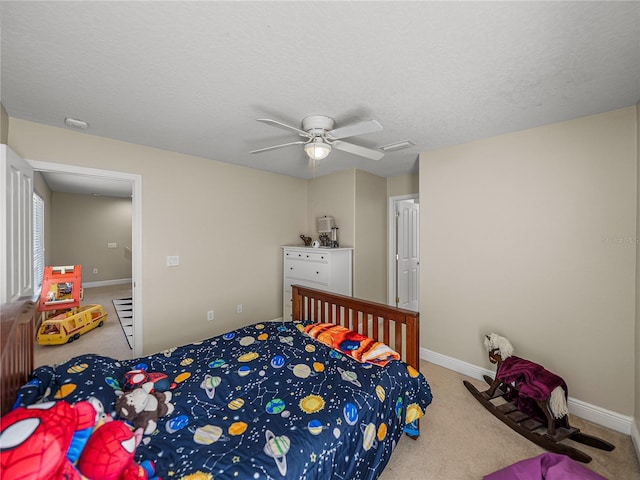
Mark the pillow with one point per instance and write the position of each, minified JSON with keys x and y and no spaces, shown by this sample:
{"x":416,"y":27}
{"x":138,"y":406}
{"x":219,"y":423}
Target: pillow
{"x":358,"y":346}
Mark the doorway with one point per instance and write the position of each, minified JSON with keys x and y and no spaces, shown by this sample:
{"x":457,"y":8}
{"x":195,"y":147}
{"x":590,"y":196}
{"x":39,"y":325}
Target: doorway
{"x":404,"y":251}
{"x":97,"y":175}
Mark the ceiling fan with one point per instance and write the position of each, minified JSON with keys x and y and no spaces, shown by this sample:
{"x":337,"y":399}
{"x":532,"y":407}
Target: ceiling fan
{"x":322,"y":137}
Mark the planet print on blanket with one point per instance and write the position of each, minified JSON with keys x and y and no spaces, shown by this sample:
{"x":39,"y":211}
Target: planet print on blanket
{"x":216,"y":363}
{"x":349,"y":376}
{"x":369,"y":439}
{"x":382,"y":431}
{"x":247,"y":357}
{"x":65,"y":390}
{"x":350,"y":412}
{"x":177,"y":423}
{"x":209,"y":385}
{"x":302,"y":370}
{"x":311,"y":404}
{"x":236,"y":404}
{"x":413,"y":413}
{"x":182,"y":377}
{"x":275,"y":406}
{"x":78,"y":368}
{"x":380,"y":392}
{"x":277,"y":361}
{"x":315,"y":427}
{"x":209,"y":434}
{"x":237,"y":428}
{"x":277,"y":448}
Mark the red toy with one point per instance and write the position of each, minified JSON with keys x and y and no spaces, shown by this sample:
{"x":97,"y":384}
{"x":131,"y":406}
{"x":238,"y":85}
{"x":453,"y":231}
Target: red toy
{"x":43,"y":441}
{"x":150,"y":381}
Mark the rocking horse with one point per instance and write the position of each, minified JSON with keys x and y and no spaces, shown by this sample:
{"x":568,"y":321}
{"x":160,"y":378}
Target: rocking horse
{"x":532,"y":401}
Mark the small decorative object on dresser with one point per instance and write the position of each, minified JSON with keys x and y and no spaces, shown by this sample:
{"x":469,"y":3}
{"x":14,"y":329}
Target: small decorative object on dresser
{"x":306,"y":240}
{"x":328,"y":269}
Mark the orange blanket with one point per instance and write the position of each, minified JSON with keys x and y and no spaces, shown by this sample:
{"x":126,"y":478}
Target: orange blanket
{"x":358,"y":346}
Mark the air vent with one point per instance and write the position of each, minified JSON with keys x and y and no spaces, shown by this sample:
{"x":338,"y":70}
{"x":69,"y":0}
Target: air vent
{"x":392,"y":147}
{"x":75,"y":123}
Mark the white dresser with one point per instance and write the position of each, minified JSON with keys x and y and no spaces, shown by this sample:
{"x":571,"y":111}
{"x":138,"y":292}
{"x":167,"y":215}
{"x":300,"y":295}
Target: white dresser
{"x":329,"y":269}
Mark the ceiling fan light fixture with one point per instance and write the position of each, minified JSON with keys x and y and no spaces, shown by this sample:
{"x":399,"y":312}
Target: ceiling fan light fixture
{"x":317,"y":149}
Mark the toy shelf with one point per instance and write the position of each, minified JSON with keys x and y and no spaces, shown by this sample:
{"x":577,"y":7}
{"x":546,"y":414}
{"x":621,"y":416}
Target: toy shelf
{"x":61,"y":288}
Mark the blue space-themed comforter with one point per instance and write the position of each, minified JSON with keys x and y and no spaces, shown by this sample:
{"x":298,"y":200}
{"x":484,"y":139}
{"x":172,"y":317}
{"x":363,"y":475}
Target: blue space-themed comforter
{"x":263,"y":402}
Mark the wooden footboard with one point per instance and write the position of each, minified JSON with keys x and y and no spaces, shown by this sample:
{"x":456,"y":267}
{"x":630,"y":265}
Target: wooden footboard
{"x":17,"y":329}
{"x":398,"y":328}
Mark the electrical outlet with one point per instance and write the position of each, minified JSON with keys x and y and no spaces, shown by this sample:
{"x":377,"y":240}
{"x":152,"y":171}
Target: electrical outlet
{"x":239,"y":308}
{"x":95,"y":271}
{"x":210,"y":315}
{"x":173,"y":261}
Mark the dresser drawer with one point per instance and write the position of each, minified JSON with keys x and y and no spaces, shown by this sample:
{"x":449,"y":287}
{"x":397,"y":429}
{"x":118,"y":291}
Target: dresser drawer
{"x":310,"y":256}
{"x":318,"y":268}
{"x":312,"y":271}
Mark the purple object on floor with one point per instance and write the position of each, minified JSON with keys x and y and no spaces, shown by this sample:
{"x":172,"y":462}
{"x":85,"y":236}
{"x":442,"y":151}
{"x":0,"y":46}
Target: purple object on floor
{"x":548,"y":466}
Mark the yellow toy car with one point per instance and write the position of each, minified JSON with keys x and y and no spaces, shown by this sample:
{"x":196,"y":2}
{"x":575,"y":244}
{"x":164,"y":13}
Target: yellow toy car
{"x":68,"y":326}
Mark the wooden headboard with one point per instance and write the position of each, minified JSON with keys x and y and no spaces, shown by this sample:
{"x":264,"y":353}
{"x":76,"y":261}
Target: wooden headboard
{"x":17,"y":334}
{"x":398,"y":328}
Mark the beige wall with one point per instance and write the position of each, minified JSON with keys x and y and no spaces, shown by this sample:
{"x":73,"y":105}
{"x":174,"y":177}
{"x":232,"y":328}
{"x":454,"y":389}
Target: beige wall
{"x":4,"y":125}
{"x":83,"y":225}
{"x":527,"y":235}
{"x":357,"y":201}
{"x":224,"y":221}
{"x":403,"y":185}
{"x":334,"y":196}
{"x":370,"y":259}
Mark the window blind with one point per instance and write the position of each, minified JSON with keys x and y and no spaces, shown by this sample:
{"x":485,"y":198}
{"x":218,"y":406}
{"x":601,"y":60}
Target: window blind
{"x":38,"y":241}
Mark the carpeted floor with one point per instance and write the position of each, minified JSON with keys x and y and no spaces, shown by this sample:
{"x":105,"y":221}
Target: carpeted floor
{"x":124,"y":311}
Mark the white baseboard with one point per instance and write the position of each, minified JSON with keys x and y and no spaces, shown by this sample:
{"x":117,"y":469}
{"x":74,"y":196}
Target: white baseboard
{"x":601,"y":416}
{"x":107,"y":283}
{"x":635,"y":438}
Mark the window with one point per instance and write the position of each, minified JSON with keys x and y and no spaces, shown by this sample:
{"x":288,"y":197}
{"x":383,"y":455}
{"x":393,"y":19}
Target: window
{"x":38,"y":241}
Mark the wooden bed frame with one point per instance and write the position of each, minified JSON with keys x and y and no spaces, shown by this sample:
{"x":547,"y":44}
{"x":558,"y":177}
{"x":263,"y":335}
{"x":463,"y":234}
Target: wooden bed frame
{"x":17,"y":334}
{"x":398,"y":328}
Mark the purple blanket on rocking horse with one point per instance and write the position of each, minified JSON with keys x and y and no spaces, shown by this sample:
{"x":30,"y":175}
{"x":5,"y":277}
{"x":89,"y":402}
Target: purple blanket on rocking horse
{"x":533,"y":382}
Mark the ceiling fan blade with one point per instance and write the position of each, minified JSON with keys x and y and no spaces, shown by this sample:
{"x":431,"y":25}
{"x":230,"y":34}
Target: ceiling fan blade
{"x":275,"y":123}
{"x":277,"y":146}
{"x":354,"y":129}
{"x":357,"y":150}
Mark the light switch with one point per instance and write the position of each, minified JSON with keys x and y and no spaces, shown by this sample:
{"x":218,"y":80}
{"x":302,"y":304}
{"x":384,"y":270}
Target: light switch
{"x":112,"y":245}
{"x":173,"y":261}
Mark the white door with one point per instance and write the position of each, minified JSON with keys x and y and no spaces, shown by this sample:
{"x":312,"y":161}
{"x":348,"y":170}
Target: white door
{"x":16,"y":239}
{"x":408,"y":255}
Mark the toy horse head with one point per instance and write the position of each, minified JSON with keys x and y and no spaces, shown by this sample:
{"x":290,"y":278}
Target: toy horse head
{"x":497,"y":346}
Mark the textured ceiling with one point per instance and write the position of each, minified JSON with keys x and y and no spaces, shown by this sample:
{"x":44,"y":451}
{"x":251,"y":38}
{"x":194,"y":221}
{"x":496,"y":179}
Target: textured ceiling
{"x":192,"y":77}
